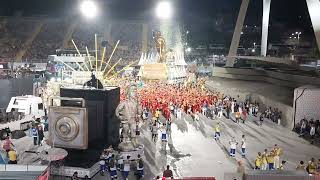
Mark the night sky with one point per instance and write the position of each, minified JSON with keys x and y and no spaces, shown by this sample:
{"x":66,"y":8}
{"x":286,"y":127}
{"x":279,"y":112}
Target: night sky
{"x":205,"y":17}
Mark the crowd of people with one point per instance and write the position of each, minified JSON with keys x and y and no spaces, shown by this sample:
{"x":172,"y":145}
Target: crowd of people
{"x":36,"y":132}
{"x":13,"y":36}
{"x":113,"y":163}
{"x":308,"y":129}
{"x":47,"y":41}
{"x":53,"y":32}
{"x":271,"y":160}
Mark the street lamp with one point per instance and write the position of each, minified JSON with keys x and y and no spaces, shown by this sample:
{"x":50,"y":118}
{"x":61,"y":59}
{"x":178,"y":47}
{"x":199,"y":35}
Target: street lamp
{"x":88,"y":8}
{"x":296,"y":35}
{"x":164,"y":10}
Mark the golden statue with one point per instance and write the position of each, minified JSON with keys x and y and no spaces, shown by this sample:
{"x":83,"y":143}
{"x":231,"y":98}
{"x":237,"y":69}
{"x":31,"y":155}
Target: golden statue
{"x":160,"y":46}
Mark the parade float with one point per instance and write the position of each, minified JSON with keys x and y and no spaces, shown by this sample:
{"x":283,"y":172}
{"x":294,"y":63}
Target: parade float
{"x":164,"y":65}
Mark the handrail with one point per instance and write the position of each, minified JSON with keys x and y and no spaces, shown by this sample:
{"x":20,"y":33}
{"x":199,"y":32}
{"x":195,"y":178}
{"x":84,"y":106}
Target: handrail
{"x":18,"y":167}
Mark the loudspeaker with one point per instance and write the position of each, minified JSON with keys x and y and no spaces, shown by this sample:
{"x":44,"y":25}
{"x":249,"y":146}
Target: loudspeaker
{"x":68,"y":126}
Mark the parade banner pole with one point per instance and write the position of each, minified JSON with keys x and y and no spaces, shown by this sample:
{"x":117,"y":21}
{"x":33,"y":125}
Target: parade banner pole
{"x":111,"y":56}
{"x":74,"y":44}
{"x":79,"y":53}
{"x":89,"y":58}
{"x":123,"y":69}
{"x":102,"y":59}
{"x":113,"y":66}
{"x":96,"y":49}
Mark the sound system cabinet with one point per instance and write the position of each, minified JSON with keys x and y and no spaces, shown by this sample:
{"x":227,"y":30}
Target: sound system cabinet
{"x":101,"y":105}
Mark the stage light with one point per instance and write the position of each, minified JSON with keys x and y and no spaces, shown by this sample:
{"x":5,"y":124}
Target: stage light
{"x":164,"y":10}
{"x":88,"y":8}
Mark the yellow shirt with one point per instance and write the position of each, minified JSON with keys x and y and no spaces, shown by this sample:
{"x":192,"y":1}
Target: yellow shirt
{"x":12,"y":155}
{"x":312,"y":167}
{"x":278,"y":151}
{"x":217,"y":128}
{"x":258,"y":161}
{"x":270,"y":158}
{"x":264,"y":159}
{"x":157,"y":114}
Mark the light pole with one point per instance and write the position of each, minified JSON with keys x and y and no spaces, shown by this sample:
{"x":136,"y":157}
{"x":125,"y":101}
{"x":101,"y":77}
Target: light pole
{"x":254,"y":47}
{"x":296,"y":35}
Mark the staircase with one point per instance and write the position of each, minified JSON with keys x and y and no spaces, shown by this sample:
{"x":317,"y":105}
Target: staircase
{"x":29,"y":41}
{"x":68,"y":36}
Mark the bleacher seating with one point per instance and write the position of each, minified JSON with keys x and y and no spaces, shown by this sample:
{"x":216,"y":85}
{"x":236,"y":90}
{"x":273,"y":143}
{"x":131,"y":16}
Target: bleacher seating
{"x":15,"y":32}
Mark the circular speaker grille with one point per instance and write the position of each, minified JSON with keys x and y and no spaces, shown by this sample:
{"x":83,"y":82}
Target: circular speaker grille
{"x":66,"y":128}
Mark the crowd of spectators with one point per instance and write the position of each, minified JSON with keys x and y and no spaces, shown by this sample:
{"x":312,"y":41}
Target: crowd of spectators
{"x":47,"y":41}
{"x":130,"y":36}
{"x":13,"y":36}
{"x":53,"y":32}
{"x":84,"y":36}
{"x":309,"y":129}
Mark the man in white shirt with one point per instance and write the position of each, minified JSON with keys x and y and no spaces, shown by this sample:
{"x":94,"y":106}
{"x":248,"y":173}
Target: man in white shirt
{"x":233,"y":145}
{"x":179,"y":113}
{"x":243,"y":146}
{"x":126,"y":168}
{"x":164,"y":137}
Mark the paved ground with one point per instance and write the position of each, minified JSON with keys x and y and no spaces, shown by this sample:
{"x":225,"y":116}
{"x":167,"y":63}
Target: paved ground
{"x":192,"y":151}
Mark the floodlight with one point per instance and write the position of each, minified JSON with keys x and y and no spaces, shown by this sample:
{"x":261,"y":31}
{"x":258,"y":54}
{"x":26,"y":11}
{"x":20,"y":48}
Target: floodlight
{"x":88,"y":8}
{"x":164,"y":10}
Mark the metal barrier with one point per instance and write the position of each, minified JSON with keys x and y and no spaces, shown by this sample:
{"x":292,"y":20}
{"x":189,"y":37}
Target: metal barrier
{"x":24,"y":168}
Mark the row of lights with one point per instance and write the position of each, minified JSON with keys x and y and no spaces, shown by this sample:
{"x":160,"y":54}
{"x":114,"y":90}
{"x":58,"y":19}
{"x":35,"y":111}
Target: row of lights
{"x":163,"y":10}
{"x":295,"y":35}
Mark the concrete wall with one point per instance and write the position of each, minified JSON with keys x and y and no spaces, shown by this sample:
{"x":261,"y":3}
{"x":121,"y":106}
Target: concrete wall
{"x":307,"y":105}
{"x":273,"y":77}
{"x":263,"y":99}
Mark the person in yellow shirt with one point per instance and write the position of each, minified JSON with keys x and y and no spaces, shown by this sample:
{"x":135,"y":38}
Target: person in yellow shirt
{"x":258,"y":161}
{"x":157,"y":114}
{"x":12,"y":156}
{"x":264,"y":164}
{"x":277,"y":152}
{"x":312,"y":166}
{"x":270,"y":160}
{"x":217,"y":131}
{"x":238,"y":117}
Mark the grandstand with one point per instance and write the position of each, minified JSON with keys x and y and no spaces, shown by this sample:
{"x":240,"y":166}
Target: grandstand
{"x":33,"y":39}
